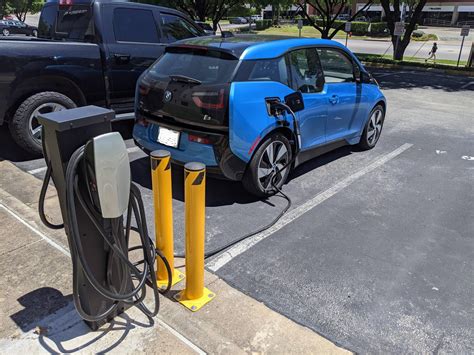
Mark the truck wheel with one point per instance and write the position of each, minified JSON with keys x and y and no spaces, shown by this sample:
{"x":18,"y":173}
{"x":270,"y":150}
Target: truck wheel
{"x":272,"y":155}
{"x":24,"y":126}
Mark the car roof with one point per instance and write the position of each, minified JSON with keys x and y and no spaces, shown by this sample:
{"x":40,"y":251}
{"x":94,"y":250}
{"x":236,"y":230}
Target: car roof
{"x":250,"y":47}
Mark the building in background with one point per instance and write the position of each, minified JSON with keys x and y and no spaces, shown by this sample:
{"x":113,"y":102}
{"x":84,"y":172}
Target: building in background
{"x":436,"y":13}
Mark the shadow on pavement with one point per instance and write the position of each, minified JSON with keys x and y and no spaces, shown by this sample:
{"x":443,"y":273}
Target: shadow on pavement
{"x":411,"y":79}
{"x":37,"y":305}
{"x":219,"y":192}
{"x":9,"y":150}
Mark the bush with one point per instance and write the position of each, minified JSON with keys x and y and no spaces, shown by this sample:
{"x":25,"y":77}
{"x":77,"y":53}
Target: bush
{"x":262,"y":24}
{"x":417,"y":34}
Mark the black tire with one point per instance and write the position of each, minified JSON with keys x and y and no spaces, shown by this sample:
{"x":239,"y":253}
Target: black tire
{"x":20,"y":123}
{"x":251,"y":180}
{"x":367,"y":141}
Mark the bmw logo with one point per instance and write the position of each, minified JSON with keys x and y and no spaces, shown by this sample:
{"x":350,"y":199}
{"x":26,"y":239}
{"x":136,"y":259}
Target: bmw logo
{"x":167,"y":96}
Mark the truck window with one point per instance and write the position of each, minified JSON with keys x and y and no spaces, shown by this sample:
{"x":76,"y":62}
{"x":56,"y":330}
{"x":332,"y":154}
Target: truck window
{"x":175,"y":28}
{"x":135,"y":25}
{"x":74,"y":22}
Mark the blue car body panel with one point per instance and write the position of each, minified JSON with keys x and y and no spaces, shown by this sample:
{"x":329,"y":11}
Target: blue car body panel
{"x":338,"y":113}
{"x":249,"y":121}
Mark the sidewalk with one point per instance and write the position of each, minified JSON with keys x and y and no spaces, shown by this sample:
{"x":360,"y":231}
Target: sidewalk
{"x":37,"y":314}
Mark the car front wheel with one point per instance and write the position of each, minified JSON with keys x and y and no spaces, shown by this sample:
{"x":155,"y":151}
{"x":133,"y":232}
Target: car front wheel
{"x":268,"y":167}
{"x":5,"y":32}
{"x":373,"y":128}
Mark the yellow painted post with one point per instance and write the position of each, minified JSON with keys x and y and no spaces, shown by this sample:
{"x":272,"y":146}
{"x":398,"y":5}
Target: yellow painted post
{"x":162,"y":198}
{"x":195,"y":295}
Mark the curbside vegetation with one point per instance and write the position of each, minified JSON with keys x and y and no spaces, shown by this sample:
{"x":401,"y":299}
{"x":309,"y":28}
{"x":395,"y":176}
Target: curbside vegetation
{"x":377,"y":61}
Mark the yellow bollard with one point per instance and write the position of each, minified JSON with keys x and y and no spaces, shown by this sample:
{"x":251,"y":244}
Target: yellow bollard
{"x":195,"y":295}
{"x":162,"y":198}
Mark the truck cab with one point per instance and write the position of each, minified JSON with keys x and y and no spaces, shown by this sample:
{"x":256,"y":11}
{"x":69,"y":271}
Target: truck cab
{"x":91,"y":52}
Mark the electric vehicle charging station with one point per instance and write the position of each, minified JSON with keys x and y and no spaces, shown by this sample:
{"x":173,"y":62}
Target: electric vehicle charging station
{"x":91,"y":172}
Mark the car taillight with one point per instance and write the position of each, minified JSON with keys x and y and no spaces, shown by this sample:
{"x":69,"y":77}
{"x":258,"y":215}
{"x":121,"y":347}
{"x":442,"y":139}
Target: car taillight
{"x":198,"y":139}
{"x":142,"y":122}
{"x":209,"y":99}
{"x":66,"y":2}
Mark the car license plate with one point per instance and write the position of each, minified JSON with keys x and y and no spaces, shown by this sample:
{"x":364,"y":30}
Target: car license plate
{"x":168,"y":137}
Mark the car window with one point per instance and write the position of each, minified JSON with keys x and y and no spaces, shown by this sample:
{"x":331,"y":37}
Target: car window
{"x":175,"y":28}
{"x":306,"y":70}
{"x":135,"y":25}
{"x":211,"y":67}
{"x":269,"y":70}
{"x":337,"y":66}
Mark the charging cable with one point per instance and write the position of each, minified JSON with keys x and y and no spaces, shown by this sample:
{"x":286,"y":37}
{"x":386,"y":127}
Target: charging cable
{"x":273,"y":181}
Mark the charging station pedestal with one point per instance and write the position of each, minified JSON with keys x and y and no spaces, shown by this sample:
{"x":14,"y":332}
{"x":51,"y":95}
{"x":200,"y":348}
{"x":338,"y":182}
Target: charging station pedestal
{"x":63,"y":133}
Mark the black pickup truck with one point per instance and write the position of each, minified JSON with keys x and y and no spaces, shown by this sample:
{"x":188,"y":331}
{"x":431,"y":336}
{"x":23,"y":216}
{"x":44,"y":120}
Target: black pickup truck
{"x":87,"y":52}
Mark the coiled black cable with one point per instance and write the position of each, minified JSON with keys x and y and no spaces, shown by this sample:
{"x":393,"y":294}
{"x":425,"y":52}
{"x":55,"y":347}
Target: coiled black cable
{"x":117,"y":241}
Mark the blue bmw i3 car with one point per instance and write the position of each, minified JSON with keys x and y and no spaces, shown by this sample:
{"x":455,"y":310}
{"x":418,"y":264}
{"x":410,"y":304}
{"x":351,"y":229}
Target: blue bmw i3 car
{"x":253,"y":107}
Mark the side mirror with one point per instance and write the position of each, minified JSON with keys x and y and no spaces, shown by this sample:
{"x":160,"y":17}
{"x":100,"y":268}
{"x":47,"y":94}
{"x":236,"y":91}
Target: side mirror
{"x":295,"y":101}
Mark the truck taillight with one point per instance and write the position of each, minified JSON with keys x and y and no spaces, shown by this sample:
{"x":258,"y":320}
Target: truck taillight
{"x":209,"y":99}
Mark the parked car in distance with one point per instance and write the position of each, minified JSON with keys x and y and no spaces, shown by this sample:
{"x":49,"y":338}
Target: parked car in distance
{"x":238,"y":20}
{"x":362,"y":19}
{"x":15,"y":27}
{"x":343,"y":17}
{"x":87,"y":53}
{"x":207,"y":28}
{"x":254,"y":18}
{"x":212,"y":100}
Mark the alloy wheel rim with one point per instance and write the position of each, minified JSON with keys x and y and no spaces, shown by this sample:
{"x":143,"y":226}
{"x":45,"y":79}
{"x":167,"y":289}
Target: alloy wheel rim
{"x":6,"y":32}
{"x":272,"y":161}
{"x":375,"y":127}
{"x":33,"y":123}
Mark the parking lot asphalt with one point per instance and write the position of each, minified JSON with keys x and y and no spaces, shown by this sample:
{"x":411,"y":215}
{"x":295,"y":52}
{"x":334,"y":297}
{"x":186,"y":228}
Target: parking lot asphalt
{"x":378,"y":252}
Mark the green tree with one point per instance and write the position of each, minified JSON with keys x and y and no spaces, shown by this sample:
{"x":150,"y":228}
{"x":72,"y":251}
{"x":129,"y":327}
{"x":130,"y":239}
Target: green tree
{"x":327,"y":11}
{"x":20,"y":8}
{"x":201,"y":10}
{"x":393,"y":15}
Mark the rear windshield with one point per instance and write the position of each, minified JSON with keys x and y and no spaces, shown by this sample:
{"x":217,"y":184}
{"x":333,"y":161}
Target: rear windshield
{"x":67,"y":22}
{"x":211,"y":67}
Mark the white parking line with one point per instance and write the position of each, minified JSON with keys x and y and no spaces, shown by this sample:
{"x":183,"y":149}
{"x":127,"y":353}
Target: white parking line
{"x":222,"y":259}
{"x":36,"y":171}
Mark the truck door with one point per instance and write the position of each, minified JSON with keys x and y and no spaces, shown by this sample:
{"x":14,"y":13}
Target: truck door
{"x":133,"y":44}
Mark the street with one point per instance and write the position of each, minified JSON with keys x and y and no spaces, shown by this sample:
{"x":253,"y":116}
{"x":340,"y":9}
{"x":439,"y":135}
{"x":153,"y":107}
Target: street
{"x":377,"y":251}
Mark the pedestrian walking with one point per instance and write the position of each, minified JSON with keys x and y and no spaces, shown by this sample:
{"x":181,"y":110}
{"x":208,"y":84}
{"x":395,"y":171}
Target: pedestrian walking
{"x":432,"y":53}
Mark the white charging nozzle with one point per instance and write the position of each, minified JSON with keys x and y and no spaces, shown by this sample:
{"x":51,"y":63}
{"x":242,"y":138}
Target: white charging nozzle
{"x":107,"y":154}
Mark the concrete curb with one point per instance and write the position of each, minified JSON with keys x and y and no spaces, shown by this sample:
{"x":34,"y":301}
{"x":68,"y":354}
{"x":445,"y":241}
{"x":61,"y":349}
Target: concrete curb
{"x":232,"y":323}
{"x":416,"y":68}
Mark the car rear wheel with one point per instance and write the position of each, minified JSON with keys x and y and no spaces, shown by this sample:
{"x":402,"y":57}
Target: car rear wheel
{"x":5,"y":32}
{"x":373,"y":128}
{"x":266,"y":169}
{"x":24,"y":126}
{"x":34,"y":33}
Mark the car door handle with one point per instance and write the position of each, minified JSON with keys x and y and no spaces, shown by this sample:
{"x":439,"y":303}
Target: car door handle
{"x":122,"y":58}
{"x":334,"y":99}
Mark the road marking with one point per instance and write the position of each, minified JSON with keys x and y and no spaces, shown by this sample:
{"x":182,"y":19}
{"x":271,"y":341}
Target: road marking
{"x":222,"y":259}
{"x":133,"y":149}
{"x":36,"y":171}
{"x":467,"y":157}
{"x":35,"y":230}
{"x":468,"y":84}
